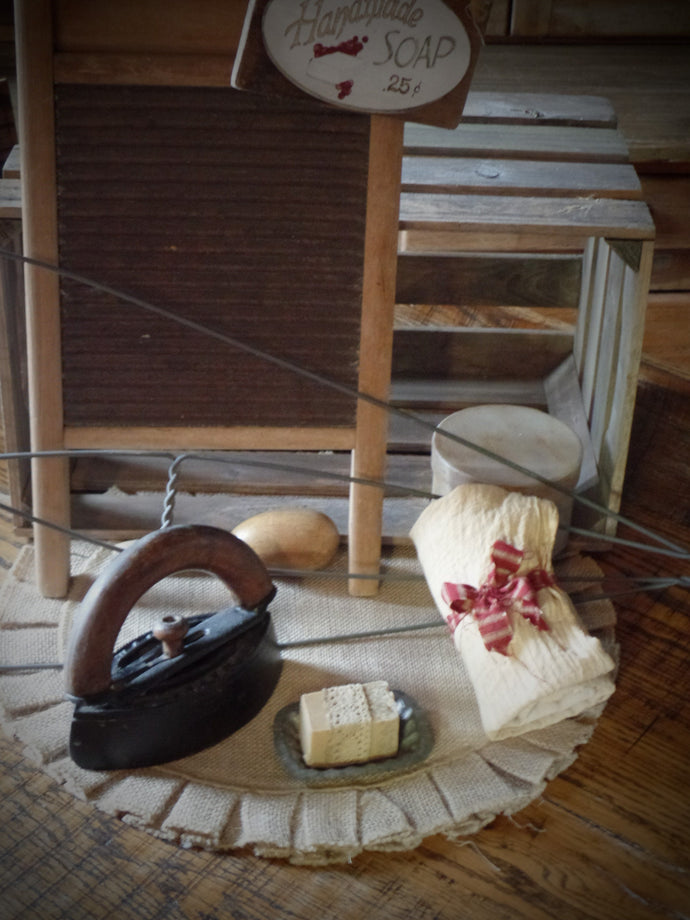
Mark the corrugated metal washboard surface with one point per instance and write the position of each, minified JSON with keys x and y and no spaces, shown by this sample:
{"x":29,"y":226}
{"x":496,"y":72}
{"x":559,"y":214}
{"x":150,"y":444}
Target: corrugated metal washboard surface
{"x":239,"y":213}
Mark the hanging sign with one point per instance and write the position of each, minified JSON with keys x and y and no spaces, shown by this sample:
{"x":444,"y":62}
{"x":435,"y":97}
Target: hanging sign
{"x":386,"y":56}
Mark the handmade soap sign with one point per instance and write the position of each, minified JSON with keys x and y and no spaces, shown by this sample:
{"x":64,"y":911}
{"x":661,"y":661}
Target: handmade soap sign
{"x":407,"y":58}
{"x":368,"y":55}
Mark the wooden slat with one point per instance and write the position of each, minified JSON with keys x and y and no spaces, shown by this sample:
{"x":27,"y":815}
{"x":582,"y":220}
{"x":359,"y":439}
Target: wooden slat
{"x":498,"y":280}
{"x":608,"y":345}
{"x":668,"y":198}
{"x":465,"y":175}
{"x":543,"y":109}
{"x":50,"y":485}
{"x":10,"y":199}
{"x":212,"y":27}
{"x":375,"y":348}
{"x":266,"y":472}
{"x":227,"y":473}
{"x":590,"y":321}
{"x":606,"y":18}
{"x":12,"y":167}
{"x":125,"y":69}
{"x":507,"y":240}
{"x":530,"y":17}
{"x":624,"y":381}
{"x":473,"y":353}
{"x":124,"y":517}
{"x":586,"y":145}
{"x":548,"y":216}
{"x":192,"y":437}
{"x":589,"y":256}
{"x":564,"y":402}
{"x":445,"y":396}
{"x":648,"y":86}
{"x":610,"y":350}
{"x":13,"y":395}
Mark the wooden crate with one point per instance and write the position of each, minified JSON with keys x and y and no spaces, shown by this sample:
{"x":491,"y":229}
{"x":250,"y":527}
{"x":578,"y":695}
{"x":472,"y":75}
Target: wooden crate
{"x":530,"y":202}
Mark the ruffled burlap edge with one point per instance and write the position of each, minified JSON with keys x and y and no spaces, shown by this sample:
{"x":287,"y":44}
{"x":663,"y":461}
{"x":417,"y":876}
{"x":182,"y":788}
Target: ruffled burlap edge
{"x":305,"y":826}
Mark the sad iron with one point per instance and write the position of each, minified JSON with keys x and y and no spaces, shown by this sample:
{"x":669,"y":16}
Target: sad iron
{"x":189,"y":682}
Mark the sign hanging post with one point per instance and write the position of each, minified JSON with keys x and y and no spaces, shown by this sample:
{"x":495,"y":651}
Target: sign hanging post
{"x":387,"y":61}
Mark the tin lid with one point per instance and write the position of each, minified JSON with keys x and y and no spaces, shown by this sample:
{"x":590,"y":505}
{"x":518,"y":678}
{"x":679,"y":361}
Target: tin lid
{"x":530,"y":438}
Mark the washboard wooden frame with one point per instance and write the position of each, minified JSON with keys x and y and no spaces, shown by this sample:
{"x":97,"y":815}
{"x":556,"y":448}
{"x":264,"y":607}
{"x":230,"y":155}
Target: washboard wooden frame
{"x":42,"y":67}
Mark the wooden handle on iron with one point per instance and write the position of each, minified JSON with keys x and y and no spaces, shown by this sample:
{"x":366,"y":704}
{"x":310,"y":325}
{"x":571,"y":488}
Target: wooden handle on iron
{"x":139,"y":567}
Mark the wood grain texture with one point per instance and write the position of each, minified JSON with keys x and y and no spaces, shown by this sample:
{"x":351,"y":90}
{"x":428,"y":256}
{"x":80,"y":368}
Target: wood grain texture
{"x":13,"y":389}
{"x":209,"y":437}
{"x":463,"y":175}
{"x":126,"y":69}
{"x":488,"y":280}
{"x":50,"y":482}
{"x":11,"y":168}
{"x":147,"y":27}
{"x":567,"y":218}
{"x":10,"y":199}
{"x":648,"y":86}
{"x":539,"y":108}
{"x":578,"y":19}
{"x":445,"y":354}
{"x":668,"y":197}
{"x":376,"y":348}
{"x":554,"y":142}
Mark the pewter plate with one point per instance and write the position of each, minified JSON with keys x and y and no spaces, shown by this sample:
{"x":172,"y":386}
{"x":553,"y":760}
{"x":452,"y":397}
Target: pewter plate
{"x":416,"y":742}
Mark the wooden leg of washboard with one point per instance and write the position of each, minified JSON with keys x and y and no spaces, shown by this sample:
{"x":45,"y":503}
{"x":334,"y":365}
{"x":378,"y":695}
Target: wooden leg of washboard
{"x":50,"y":483}
{"x":375,"y":356}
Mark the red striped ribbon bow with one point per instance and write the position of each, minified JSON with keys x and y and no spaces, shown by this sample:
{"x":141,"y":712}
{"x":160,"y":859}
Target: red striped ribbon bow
{"x":503,"y":593}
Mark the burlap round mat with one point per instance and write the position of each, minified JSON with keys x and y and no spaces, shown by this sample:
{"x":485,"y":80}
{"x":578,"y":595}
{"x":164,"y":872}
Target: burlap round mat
{"x":237,"y":794}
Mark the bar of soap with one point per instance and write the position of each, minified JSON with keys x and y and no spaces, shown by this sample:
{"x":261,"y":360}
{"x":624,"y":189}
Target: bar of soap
{"x":349,"y":724}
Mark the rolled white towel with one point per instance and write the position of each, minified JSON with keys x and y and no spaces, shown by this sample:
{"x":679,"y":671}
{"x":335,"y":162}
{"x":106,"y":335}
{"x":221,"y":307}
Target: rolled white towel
{"x":548,"y":667}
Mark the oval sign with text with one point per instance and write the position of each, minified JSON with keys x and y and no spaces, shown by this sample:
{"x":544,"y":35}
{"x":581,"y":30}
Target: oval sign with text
{"x":368,"y":55}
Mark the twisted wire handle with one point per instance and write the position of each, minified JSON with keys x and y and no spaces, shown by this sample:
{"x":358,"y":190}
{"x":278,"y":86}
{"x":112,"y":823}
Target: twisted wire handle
{"x":171,"y":491}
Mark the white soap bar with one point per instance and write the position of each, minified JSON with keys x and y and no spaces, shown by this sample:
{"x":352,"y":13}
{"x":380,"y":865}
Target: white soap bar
{"x":352,"y":723}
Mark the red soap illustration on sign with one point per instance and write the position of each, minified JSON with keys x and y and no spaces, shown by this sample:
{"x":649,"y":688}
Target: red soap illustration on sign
{"x":352,"y":47}
{"x":344,"y":88}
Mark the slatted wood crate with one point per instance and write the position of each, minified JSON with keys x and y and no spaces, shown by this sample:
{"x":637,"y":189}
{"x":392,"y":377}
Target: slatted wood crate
{"x":531,"y":201}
